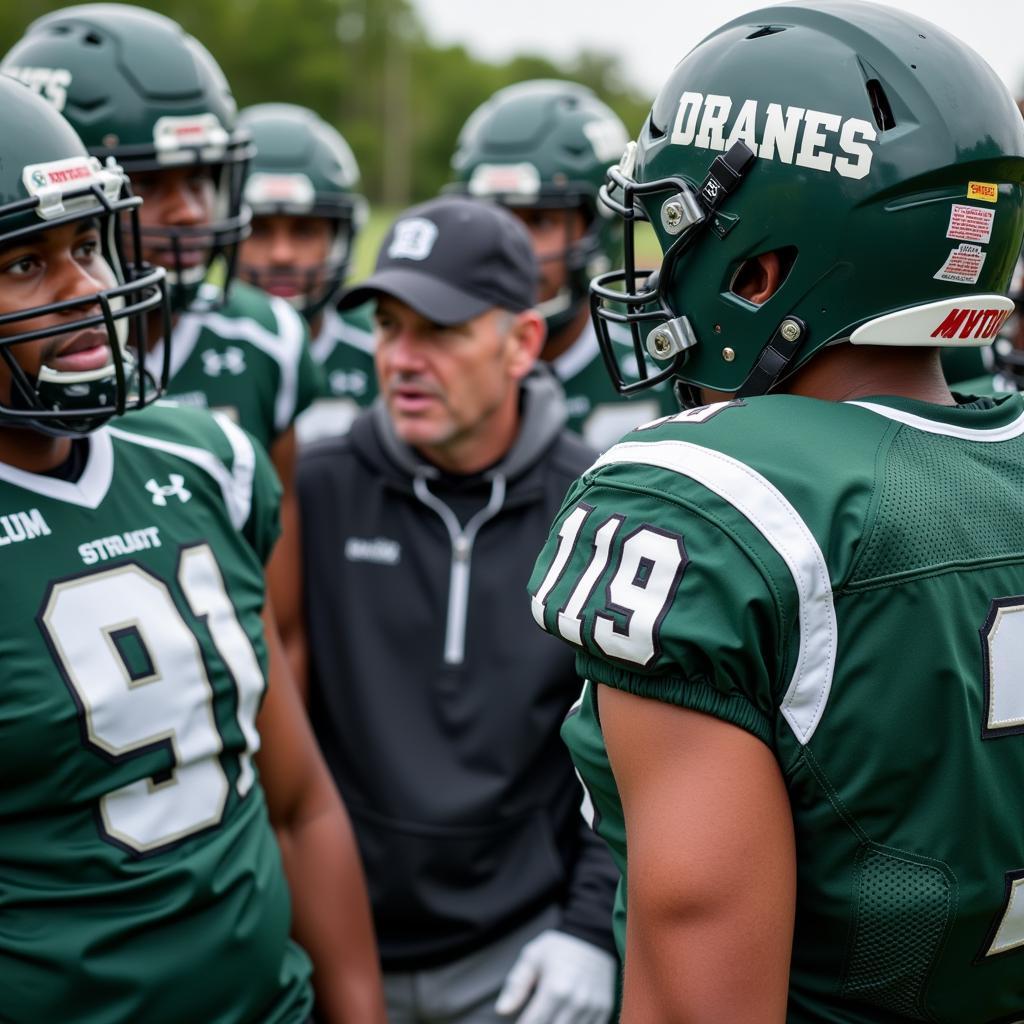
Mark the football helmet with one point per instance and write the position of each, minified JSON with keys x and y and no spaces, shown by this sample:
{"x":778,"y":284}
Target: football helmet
{"x":139,"y":89}
{"x":47,"y":180}
{"x":303,"y":167}
{"x":547,"y":143}
{"x":874,"y":153}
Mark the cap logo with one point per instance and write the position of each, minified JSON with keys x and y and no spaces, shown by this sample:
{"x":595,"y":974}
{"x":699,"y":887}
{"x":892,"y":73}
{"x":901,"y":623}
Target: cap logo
{"x":414,"y":239}
{"x":518,"y":181}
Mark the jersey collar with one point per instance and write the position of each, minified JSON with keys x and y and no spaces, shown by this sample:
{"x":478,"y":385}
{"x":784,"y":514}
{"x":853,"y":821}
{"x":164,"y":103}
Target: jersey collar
{"x":88,"y":491}
{"x":1003,"y":420}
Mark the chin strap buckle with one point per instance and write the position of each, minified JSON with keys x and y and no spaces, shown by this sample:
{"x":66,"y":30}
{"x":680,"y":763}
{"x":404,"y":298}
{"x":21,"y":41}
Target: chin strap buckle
{"x":726,"y":174}
{"x":775,"y":358}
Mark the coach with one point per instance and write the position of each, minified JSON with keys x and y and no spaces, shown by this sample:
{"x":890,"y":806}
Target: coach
{"x":435,"y":698}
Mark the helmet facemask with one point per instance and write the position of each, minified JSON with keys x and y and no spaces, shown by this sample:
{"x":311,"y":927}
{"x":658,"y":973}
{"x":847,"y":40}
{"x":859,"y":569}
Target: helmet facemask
{"x":639,"y":298}
{"x":198,"y":284}
{"x":76,"y":402}
{"x":315,"y":286}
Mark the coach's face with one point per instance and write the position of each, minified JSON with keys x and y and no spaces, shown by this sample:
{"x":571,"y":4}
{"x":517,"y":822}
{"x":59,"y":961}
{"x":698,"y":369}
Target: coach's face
{"x":453,"y":391}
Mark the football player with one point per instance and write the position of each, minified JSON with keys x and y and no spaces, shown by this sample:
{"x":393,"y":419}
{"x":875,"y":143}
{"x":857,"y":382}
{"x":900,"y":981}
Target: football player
{"x":306,"y":214}
{"x":800,"y":604}
{"x":1006,"y":356}
{"x":139,"y":876}
{"x":541,"y":148}
{"x":137,"y":88}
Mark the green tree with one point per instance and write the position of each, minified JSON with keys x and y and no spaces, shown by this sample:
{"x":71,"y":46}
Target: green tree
{"x":368,"y":67}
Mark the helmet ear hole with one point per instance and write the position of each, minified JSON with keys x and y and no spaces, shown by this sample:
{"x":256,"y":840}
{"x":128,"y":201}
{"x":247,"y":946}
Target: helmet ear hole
{"x":758,"y":278}
{"x":880,"y":106}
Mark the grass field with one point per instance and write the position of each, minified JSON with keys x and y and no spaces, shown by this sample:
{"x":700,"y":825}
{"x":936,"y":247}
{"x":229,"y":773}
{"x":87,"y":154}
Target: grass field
{"x":382,"y":216}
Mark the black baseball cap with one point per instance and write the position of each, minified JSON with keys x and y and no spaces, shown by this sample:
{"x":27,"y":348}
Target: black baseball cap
{"x":451,"y":259}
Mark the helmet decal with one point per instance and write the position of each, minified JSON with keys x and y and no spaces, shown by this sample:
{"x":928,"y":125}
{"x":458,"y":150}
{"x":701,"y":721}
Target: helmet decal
{"x":51,"y":182}
{"x":797,"y":135}
{"x":294,"y":193}
{"x":50,"y":83}
{"x":513,"y":182}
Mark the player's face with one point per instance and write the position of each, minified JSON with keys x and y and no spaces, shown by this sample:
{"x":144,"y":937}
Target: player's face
{"x":57,"y":265}
{"x":287,"y":253}
{"x":179,"y":197}
{"x":445,"y":387}
{"x":552,"y":231}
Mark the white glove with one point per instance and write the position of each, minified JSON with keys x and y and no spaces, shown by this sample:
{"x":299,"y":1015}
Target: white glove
{"x":566,"y":980}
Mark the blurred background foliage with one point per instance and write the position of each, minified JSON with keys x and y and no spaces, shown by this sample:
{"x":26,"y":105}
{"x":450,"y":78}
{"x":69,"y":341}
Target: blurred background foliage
{"x":368,"y":67}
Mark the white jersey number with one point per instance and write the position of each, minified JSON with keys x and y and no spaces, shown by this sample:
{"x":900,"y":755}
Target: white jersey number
{"x":641,"y":590}
{"x":1003,"y":644}
{"x":138,"y":675}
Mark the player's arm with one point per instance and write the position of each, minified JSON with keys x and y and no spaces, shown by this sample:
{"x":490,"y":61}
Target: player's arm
{"x":284,"y":571}
{"x":331,"y":910}
{"x":712,"y":867}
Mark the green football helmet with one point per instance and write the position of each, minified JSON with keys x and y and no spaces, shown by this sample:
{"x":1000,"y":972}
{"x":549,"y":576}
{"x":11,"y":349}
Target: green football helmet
{"x":48,"y":180}
{"x":139,"y":89}
{"x":547,"y":144}
{"x":303,"y":167}
{"x":874,"y":153}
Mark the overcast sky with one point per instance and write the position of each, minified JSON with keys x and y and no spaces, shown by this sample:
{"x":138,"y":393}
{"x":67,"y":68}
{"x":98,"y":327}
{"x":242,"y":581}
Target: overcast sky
{"x":650,"y":36}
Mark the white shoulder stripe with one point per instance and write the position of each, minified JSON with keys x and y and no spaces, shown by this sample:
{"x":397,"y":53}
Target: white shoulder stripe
{"x":243,"y":468}
{"x":291,"y":332}
{"x":1004,"y":433}
{"x":780,"y":524}
{"x":235,"y":484}
{"x":284,"y":347}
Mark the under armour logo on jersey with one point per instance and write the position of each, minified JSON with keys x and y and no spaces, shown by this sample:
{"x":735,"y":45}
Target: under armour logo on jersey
{"x":175,"y":489}
{"x":351,"y":382}
{"x":231,"y":360}
{"x":414,"y":238}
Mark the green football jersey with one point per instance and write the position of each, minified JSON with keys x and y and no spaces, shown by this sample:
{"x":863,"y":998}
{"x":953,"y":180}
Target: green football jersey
{"x":846,"y":582}
{"x":249,"y":359}
{"x":597,"y":412}
{"x":139,"y":877}
{"x":988,"y":384}
{"x":343,"y":349}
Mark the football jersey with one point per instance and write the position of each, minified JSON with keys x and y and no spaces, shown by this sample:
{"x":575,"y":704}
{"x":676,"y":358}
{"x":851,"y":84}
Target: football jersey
{"x":846,"y":582}
{"x":248,"y":359}
{"x":343,"y":349}
{"x":988,"y":384}
{"x":140,"y":879}
{"x":597,"y":412}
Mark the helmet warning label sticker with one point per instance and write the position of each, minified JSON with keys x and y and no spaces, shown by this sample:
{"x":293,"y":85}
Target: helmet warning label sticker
{"x":963,"y":265}
{"x":984,"y":190}
{"x":970,"y":223}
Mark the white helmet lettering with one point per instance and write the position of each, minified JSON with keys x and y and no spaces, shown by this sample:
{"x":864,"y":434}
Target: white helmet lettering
{"x":815,"y":139}
{"x":50,"y":83}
